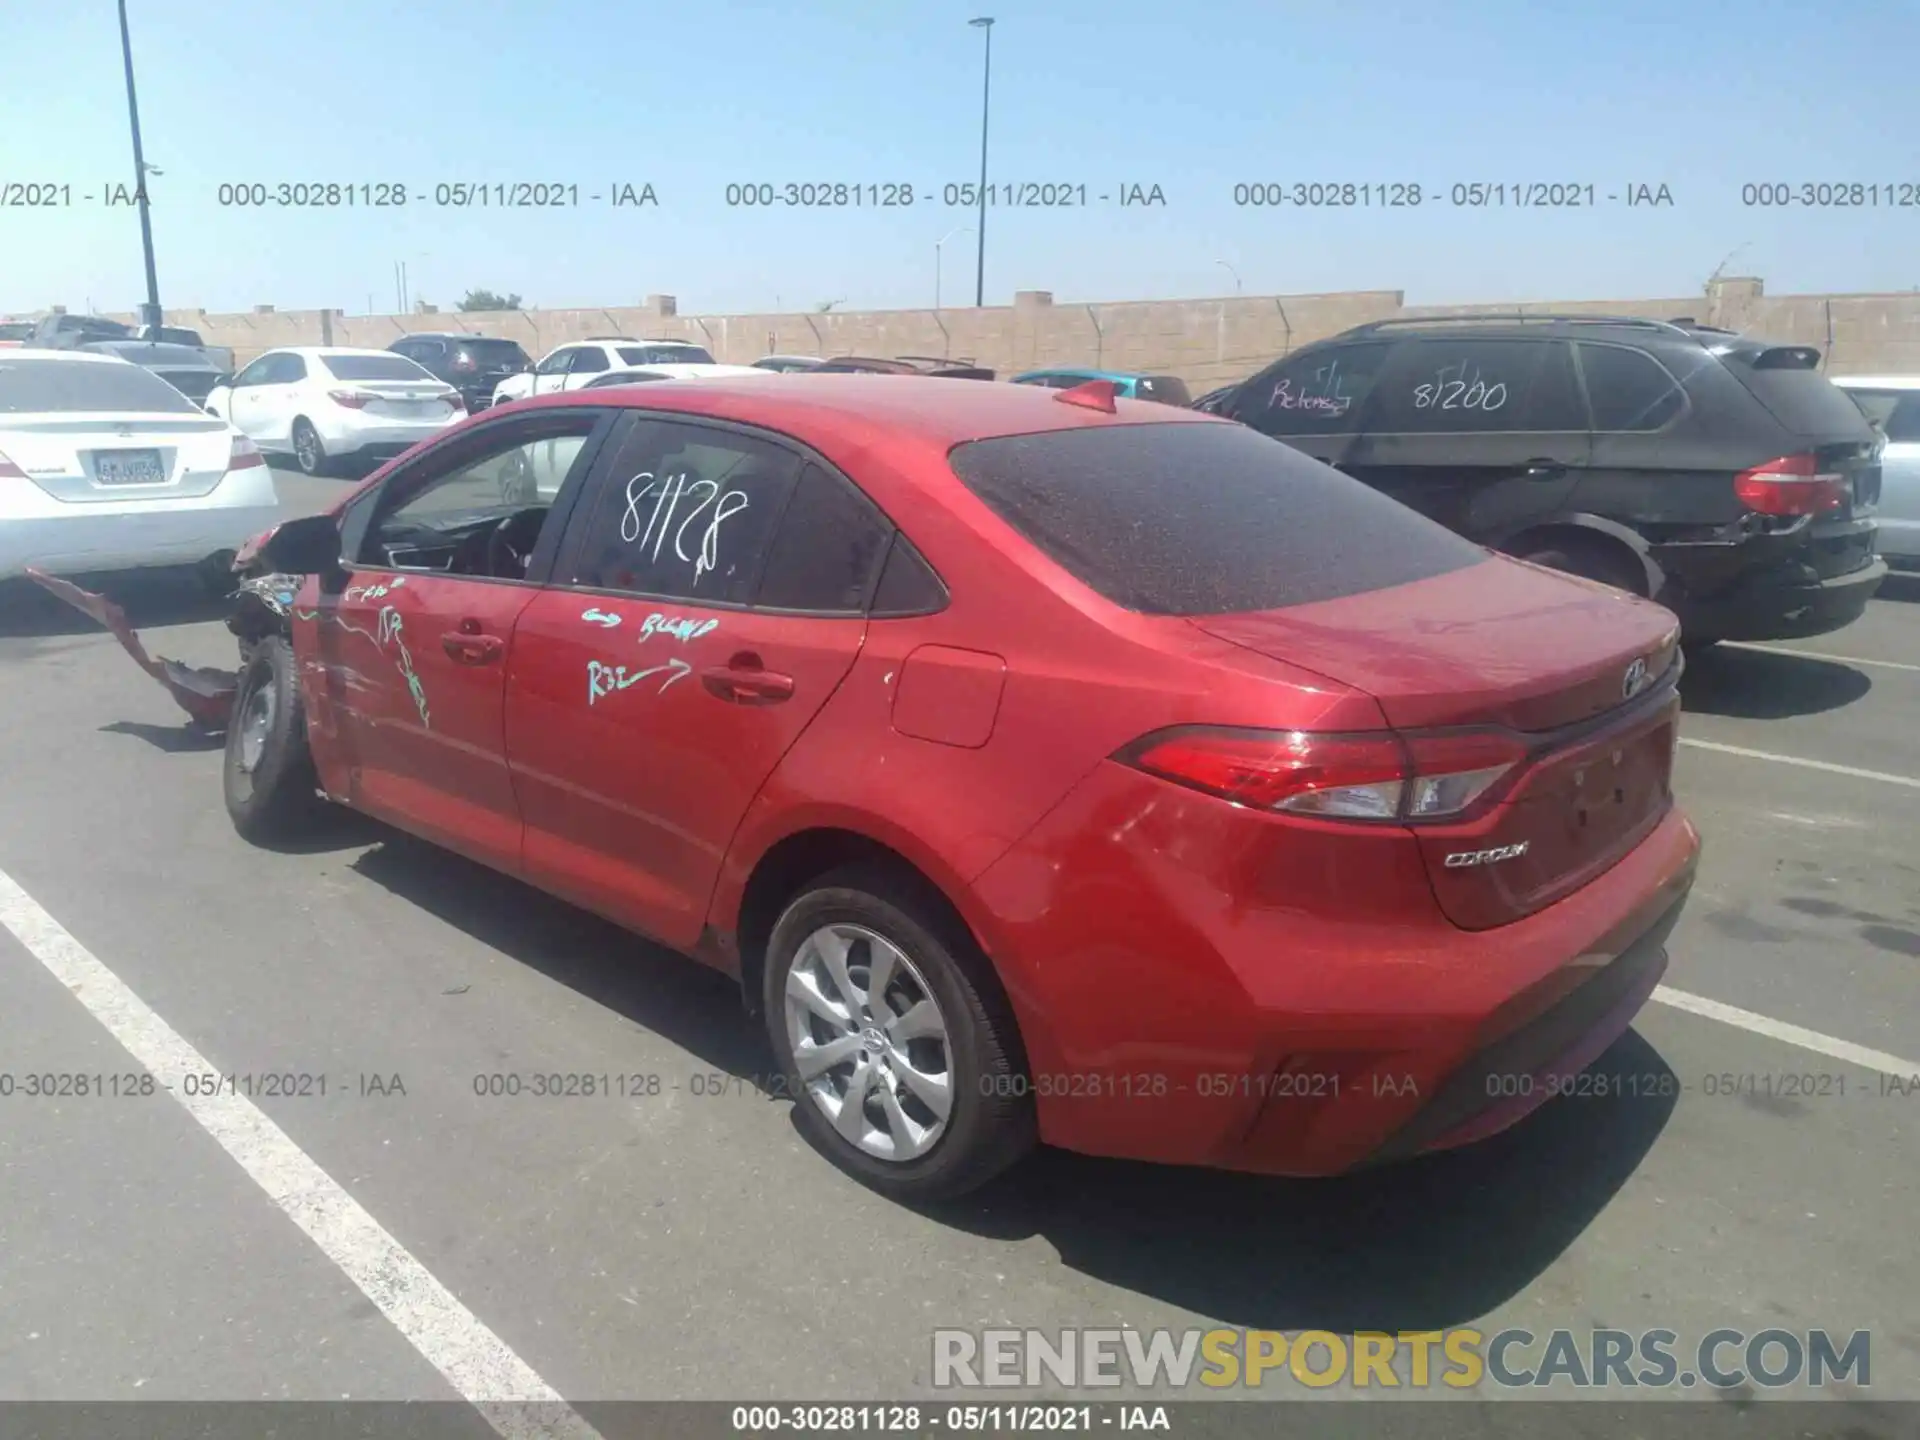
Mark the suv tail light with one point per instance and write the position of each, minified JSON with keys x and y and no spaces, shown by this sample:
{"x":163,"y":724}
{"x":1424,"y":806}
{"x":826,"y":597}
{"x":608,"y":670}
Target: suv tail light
{"x":352,"y":399}
{"x":244,"y":454}
{"x":1791,"y":485}
{"x":9,"y":470}
{"x":1374,"y":775}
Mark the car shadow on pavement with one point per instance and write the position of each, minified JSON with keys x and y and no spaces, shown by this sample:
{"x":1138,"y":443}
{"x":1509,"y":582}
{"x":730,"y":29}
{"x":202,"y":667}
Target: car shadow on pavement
{"x":677,"y":998}
{"x":183,"y":739}
{"x":1762,"y":685}
{"x":1901,"y":585}
{"x":1433,"y":1242}
{"x":152,"y":599}
{"x":1429,"y":1243}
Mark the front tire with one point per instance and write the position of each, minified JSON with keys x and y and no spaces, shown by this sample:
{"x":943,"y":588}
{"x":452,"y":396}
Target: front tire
{"x":268,"y":774}
{"x":308,"y":451}
{"x":897,"y":1044}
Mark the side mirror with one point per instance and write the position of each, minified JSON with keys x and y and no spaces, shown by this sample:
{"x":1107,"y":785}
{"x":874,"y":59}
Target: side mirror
{"x":307,"y":546}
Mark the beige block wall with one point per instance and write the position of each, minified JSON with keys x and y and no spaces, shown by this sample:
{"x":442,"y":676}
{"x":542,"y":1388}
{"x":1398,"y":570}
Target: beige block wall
{"x":1207,"y":342}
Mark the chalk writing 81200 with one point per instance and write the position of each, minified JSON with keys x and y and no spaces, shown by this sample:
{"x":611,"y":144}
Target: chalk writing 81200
{"x":1459,"y":387}
{"x":666,"y":493}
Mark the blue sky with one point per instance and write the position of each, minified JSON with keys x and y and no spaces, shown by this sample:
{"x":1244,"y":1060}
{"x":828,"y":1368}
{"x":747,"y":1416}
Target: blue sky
{"x":1699,"y":95}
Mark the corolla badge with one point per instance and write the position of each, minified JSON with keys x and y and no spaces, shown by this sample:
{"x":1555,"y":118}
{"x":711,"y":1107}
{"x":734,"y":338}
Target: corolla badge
{"x":1634,"y":681}
{"x":1462,"y":859}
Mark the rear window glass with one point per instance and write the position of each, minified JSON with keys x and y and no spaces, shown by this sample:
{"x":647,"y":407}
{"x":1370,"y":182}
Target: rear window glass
{"x":1803,"y":400}
{"x":664,"y":355}
{"x":1167,"y":389}
{"x":1203,"y":519}
{"x":30,"y":387}
{"x":494,"y":352}
{"x":172,"y":336}
{"x":373,"y":367}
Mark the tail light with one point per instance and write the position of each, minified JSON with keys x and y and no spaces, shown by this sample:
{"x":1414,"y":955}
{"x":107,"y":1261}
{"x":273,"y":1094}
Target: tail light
{"x":1375,"y":775}
{"x":244,"y":454}
{"x":9,"y":470}
{"x":1791,"y":485}
{"x":352,"y":399}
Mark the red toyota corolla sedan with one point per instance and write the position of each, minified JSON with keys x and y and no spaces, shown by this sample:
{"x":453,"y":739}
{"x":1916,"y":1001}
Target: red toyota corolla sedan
{"x":1045,"y":767}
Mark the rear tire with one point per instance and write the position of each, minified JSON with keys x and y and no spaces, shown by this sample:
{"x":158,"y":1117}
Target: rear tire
{"x":967,"y":1033}
{"x":268,"y":774}
{"x":308,"y":451}
{"x":1606,"y":563}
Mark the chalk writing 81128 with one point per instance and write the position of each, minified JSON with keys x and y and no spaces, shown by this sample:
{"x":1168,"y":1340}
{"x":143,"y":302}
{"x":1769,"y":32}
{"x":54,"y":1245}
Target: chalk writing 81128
{"x":667,"y":492}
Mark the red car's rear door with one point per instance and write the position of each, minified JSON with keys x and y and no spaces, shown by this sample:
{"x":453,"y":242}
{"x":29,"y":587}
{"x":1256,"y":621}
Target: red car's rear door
{"x":709,"y":598}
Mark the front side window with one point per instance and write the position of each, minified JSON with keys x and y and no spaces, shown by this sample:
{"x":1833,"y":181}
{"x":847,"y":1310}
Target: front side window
{"x":555,"y":364}
{"x":589,"y":360}
{"x":256,"y":373}
{"x":684,"y":512}
{"x":1314,"y":394}
{"x":441,"y":515}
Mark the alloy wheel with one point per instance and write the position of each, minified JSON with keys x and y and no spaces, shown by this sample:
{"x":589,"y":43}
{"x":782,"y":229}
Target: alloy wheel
{"x":255,"y":725}
{"x":869,"y":1042}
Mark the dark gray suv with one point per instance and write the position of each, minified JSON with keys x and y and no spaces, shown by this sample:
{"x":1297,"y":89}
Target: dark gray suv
{"x":1723,"y":476}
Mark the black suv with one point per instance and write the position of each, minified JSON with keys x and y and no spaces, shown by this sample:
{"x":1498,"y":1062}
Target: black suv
{"x":1723,"y":476}
{"x":472,"y":364}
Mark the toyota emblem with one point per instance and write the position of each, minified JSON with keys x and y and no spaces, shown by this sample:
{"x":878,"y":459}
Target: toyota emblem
{"x":1634,"y":681}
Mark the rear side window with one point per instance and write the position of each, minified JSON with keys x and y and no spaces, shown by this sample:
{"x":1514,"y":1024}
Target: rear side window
{"x":30,"y":387}
{"x":664,"y":355}
{"x":1203,"y":519}
{"x":1629,"y":390}
{"x":494,"y":352}
{"x":1477,"y":386}
{"x":1895,"y":413}
{"x":830,"y":542}
{"x":1785,"y":380}
{"x":1315,"y":394}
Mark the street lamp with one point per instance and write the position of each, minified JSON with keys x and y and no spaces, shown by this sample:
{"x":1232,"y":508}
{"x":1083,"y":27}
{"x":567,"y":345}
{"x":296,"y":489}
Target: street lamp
{"x":150,"y":312}
{"x":959,"y":230}
{"x":1233,"y":272}
{"x":984,"y":22}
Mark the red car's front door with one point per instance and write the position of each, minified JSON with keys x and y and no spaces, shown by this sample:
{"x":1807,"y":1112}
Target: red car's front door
{"x":415,"y":644}
{"x":650,"y":692}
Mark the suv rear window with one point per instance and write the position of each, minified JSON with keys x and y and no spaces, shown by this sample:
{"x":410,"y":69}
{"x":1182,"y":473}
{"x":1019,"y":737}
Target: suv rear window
{"x":494,"y":352}
{"x":1203,"y":519}
{"x":1786,"y":381}
{"x":29,"y":387}
{"x":373,"y":367}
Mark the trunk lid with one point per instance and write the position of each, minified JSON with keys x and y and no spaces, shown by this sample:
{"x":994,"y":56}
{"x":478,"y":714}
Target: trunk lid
{"x":412,"y":400}
{"x":1582,"y":673}
{"x":106,"y":459}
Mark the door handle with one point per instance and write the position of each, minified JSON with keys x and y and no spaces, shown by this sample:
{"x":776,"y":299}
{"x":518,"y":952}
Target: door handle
{"x":1542,"y":467}
{"x":473,"y":649}
{"x":743,"y":681}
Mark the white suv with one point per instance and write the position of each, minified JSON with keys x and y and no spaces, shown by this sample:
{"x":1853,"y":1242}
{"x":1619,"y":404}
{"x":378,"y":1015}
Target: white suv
{"x":573,"y":365}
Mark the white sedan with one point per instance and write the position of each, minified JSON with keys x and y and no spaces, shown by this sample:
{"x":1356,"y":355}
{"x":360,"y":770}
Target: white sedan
{"x":322,"y":403}
{"x":579,"y":363}
{"x":105,"y":466}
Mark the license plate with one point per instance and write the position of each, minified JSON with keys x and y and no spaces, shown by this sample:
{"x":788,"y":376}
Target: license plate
{"x":128,"y":467}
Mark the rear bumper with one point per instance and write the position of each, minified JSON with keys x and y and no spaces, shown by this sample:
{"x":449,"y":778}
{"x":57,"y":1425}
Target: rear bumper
{"x":1781,"y":605}
{"x":1187,"y":997}
{"x":74,"y":538}
{"x":354,"y":435}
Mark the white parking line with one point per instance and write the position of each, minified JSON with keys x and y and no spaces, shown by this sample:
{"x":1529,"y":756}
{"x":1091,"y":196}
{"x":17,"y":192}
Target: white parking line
{"x":515,"y":1401}
{"x":1828,"y":1045}
{"x":1827,"y":765}
{"x":1819,"y":655}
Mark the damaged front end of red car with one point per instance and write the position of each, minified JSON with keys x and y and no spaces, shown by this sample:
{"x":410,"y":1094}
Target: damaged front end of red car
{"x":262,"y":606}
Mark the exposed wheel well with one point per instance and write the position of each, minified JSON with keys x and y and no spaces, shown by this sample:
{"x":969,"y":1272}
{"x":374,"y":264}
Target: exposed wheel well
{"x":1615,"y":560}
{"x":787,"y":868}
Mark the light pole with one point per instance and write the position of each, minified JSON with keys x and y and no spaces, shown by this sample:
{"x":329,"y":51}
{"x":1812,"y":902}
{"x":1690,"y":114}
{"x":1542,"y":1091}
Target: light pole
{"x":959,"y":230}
{"x":1234,"y":273}
{"x":150,"y":312}
{"x":984,"y":22}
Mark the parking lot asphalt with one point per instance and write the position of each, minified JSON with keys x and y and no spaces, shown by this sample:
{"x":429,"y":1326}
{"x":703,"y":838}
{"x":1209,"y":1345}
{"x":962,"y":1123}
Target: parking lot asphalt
{"x":688,"y":1244}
